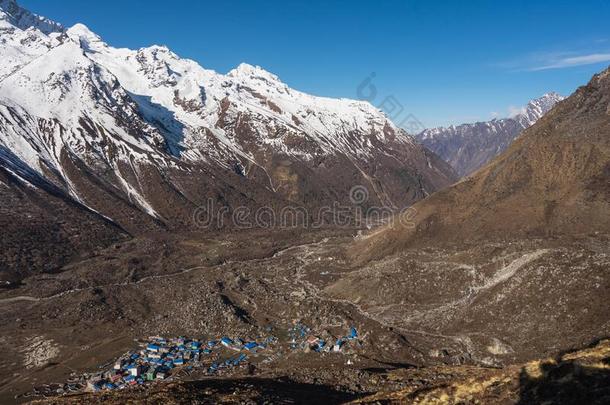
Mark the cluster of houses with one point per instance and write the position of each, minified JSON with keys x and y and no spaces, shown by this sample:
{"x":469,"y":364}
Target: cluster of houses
{"x":159,"y":358}
{"x":301,"y":338}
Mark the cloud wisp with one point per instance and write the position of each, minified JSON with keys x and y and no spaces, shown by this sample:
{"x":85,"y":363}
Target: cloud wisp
{"x":571,"y":55}
{"x":572,"y":61}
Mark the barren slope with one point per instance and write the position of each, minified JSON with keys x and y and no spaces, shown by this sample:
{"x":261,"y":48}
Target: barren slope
{"x":554,"y":180}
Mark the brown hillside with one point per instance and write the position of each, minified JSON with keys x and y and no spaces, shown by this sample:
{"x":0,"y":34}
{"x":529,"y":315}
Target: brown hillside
{"x":553,"y":181}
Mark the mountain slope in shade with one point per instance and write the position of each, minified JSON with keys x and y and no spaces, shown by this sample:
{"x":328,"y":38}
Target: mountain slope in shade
{"x":13,"y":15}
{"x":553,"y":180}
{"x":43,"y":227}
{"x":146,"y":129}
{"x":468,"y":147}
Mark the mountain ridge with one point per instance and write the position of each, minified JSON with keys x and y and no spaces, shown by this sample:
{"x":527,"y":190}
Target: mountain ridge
{"x":467,"y":147}
{"x":146,"y":138}
{"x":24,"y":19}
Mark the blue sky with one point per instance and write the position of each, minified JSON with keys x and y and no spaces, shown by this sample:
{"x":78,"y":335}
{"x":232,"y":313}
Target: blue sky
{"x":443,"y":61}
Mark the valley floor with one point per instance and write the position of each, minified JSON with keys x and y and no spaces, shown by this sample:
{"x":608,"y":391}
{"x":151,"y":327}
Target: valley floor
{"x":577,"y":377}
{"x":427,"y":318}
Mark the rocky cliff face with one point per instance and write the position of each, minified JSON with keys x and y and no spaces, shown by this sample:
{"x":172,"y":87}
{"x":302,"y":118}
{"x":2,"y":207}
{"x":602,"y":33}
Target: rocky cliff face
{"x":468,"y":147}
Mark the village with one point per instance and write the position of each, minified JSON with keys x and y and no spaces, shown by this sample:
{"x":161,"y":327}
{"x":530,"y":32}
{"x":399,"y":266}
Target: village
{"x":158,"y":359}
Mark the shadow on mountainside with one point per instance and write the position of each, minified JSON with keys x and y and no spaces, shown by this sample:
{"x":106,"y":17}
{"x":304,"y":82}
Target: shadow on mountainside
{"x":566,"y":382}
{"x":164,"y":120}
{"x":217,"y":390}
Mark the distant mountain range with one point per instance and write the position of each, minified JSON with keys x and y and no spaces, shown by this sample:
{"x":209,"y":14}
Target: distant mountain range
{"x":468,"y":147}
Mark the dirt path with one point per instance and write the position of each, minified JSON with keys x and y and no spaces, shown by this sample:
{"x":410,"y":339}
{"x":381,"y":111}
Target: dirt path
{"x":25,"y":298}
{"x":76,"y":290}
{"x":19,"y":298}
{"x":508,"y":271}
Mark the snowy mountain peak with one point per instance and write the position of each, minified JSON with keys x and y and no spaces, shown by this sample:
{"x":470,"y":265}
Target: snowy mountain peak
{"x":545,"y":102}
{"x":161,"y":49}
{"x":247,"y":71}
{"x":83,"y":33}
{"x":537,"y":107}
{"x":13,"y":14}
{"x":126,"y":117}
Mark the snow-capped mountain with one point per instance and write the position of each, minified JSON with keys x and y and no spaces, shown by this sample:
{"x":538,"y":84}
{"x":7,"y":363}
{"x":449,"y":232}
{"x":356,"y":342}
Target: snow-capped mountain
{"x":468,"y":147}
{"x":143,"y":137}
